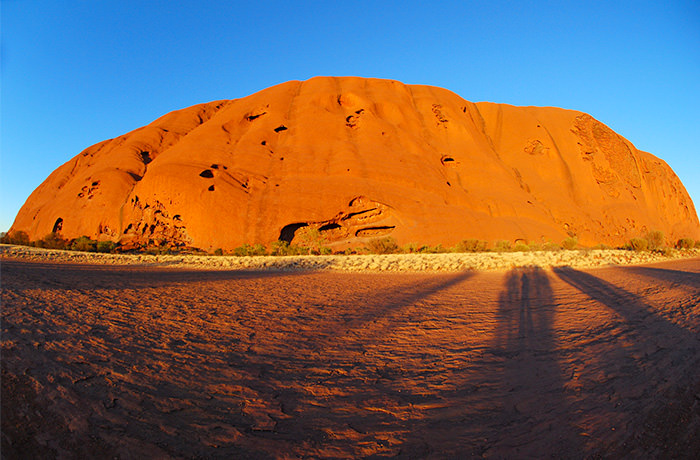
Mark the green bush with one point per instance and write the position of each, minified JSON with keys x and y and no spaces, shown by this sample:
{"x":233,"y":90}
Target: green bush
{"x":502,"y":246}
{"x":521,"y":247}
{"x":570,"y":243}
{"x":685,"y":243}
{"x":471,"y":246}
{"x":638,"y":244}
{"x":218,"y":252}
{"x":386,"y":245}
{"x":697,"y":244}
{"x":106,"y":246}
{"x":84,"y":243}
{"x":655,"y":239}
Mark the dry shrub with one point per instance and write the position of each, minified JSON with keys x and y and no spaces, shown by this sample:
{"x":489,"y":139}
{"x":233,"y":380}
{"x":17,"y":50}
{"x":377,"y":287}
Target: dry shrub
{"x":106,"y":246}
{"x":655,"y":239}
{"x":19,"y":237}
{"x":248,"y":250}
{"x":570,"y":243}
{"x":84,"y":243}
{"x":638,"y":244}
{"x":502,"y":246}
{"x":471,"y":246}
{"x":685,"y":243}
{"x":52,"y":241}
{"x":386,"y":245}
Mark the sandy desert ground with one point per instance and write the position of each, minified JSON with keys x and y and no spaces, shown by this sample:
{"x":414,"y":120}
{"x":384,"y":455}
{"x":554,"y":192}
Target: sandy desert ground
{"x":112,"y":361}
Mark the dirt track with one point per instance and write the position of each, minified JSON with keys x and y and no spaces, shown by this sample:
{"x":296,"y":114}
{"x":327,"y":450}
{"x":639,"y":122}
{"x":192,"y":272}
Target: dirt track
{"x":136,"y":362}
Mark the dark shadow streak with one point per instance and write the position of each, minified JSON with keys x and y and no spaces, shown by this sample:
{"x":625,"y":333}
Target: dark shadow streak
{"x":674,"y":276}
{"x":75,"y":277}
{"x":675,"y":346}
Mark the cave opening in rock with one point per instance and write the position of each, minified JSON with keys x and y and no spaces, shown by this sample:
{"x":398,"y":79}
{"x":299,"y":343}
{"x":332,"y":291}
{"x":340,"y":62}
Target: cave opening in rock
{"x":58,"y":225}
{"x":287,"y":233}
{"x":207,"y":174}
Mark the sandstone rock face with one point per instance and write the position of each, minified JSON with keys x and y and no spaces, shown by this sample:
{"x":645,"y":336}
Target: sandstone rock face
{"x":350,"y":159}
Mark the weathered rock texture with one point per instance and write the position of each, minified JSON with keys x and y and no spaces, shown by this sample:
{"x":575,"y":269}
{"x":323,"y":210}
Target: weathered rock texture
{"x":353,"y":159}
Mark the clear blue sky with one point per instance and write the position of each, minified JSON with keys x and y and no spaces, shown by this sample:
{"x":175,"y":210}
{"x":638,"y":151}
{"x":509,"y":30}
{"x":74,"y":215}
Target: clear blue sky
{"x":77,"y":72}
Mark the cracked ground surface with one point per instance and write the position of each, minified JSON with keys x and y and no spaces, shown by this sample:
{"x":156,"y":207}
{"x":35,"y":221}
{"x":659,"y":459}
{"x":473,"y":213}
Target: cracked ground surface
{"x":137,"y":362}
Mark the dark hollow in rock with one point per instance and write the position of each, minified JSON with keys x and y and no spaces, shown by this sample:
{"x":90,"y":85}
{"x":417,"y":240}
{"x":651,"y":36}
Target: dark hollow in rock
{"x":280,"y":128}
{"x":58,"y":225}
{"x":288,"y":231}
{"x":211,"y":188}
{"x":145,"y":157}
{"x":207,"y":174}
{"x":327,"y":227}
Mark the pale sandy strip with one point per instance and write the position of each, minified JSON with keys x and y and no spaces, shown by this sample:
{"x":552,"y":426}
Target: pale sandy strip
{"x":390,"y":262}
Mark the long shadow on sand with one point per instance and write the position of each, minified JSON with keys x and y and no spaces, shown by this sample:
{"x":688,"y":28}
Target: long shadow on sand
{"x":689,"y":279}
{"x":533,"y":387}
{"x":657,"y":361}
{"x":76,"y":277}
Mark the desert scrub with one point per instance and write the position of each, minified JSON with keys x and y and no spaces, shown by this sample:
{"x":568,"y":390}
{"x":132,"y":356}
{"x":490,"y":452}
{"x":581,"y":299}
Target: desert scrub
{"x":84,"y":244}
{"x":386,"y":245}
{"x":638,"y":244}
{"x":521,"y":247}
{"x":502,"y":246}
{"x":283,"y":248}
{"x":250,"y":250}
{"x":655,"y":240}
{"x":570,"y":243}
{"x":471,"y":246}
{"x":52,"y":241}
{"x":685,"y":243}
{"x":106,"y":246}
{"x":19,"y":237}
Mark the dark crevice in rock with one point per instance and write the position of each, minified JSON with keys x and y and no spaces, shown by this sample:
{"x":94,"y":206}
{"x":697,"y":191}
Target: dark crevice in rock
{"x":374,"y":231}
{"x":287,"y":233}
{"x":280,"y":128}
{"x":58,"y":225}
{"x":207,"y":174}
{"x":327,"y":227}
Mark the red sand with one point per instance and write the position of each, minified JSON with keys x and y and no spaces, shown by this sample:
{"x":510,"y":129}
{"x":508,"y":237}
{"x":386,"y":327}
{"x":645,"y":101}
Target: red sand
{"x":136,"y":362}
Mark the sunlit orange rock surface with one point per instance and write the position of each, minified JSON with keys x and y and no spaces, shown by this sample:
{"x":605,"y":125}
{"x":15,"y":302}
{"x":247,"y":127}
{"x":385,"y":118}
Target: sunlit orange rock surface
{"x":359,"y":158}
